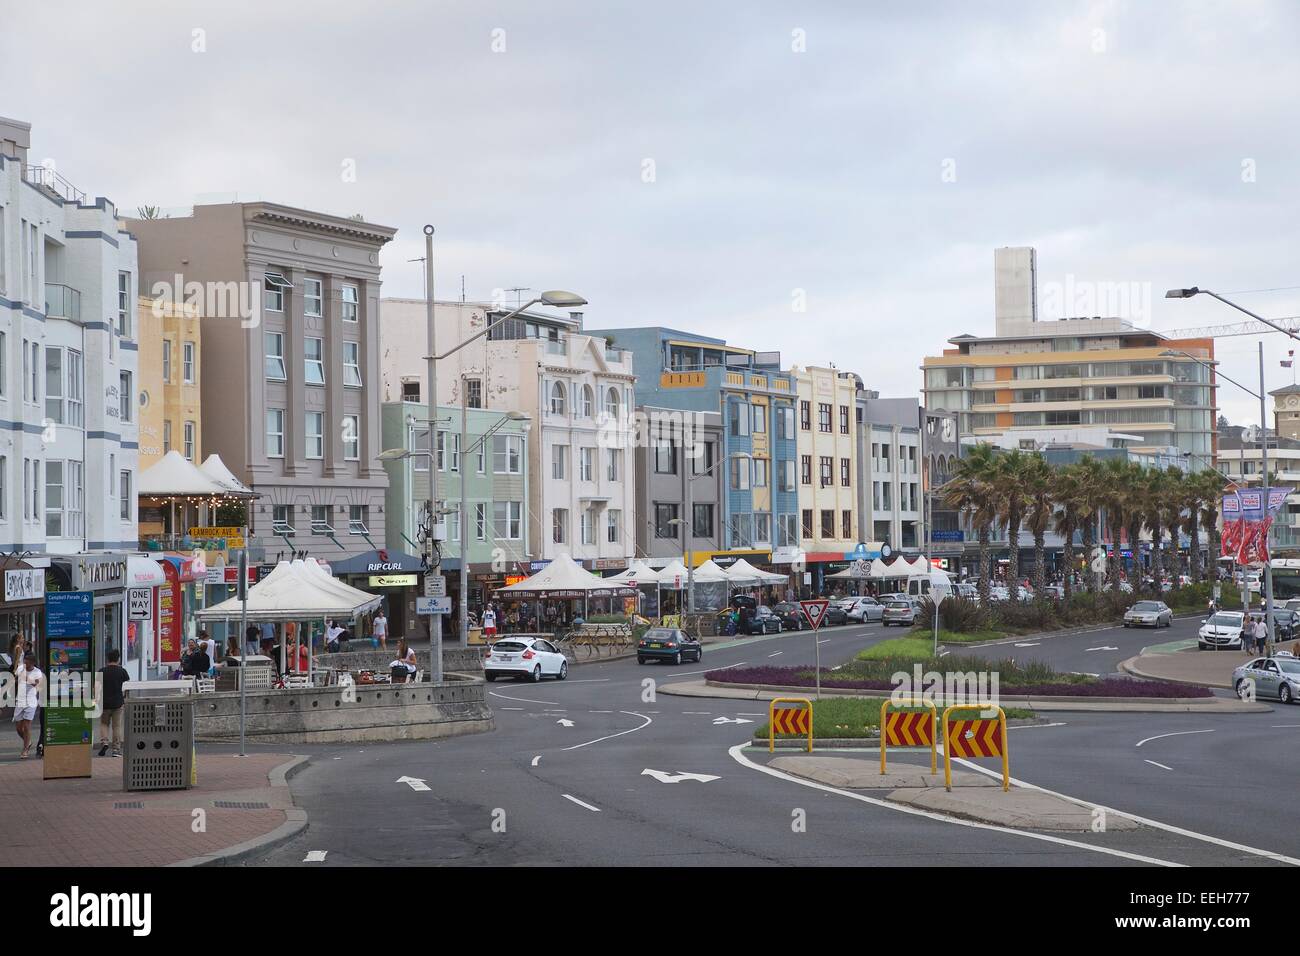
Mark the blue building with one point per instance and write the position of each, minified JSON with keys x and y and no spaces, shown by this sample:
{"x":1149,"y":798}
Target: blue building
{"x":756,"y":400}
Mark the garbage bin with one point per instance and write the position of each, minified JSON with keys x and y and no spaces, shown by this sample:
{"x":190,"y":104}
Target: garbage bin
{"x":158,"y":752}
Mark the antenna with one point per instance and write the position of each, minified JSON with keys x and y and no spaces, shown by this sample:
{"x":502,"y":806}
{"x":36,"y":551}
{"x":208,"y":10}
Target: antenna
{"x":516,"y":290}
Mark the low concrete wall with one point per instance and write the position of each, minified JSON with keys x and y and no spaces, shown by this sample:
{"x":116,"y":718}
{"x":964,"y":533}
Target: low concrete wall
{"x":325,"y":714}
{"x":459,"y":660}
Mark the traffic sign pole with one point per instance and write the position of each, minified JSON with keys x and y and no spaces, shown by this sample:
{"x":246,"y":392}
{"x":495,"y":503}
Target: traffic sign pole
{"x":814,"y":611}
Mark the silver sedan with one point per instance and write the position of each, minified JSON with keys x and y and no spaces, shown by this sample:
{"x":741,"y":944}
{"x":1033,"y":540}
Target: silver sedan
{"x":1277,"y":676}
{"x":1149,"y":614}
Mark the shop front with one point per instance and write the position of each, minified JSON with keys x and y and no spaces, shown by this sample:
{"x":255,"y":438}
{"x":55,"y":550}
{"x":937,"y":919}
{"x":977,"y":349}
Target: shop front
{"x":395,"y":576}
{"x":177,"y":600}
{"x":23,"y":610}
{"x":144,"y":580}
{"x":104,"y":577}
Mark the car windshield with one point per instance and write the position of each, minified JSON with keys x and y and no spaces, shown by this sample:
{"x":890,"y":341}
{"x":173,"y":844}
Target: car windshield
{"x":510,"y":646}
{"x":660,"y":634}
{"x":783,"y":608}
{"x":1226,"y":620}
{"x":1146,"y":606}
{"x":1288,"y":666}
{"x":897,"y":602}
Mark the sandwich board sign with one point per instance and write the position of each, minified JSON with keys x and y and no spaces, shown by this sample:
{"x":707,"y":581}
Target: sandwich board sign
{"x":815,"y":611}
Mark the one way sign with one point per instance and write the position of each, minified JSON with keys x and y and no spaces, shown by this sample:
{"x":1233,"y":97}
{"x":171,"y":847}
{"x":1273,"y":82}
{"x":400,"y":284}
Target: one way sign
{"x":815,"y":611}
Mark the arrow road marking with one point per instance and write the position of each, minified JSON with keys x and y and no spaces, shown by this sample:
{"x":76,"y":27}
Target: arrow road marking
{"x":732,"y":720}
{"x":564,"y":722}
{"x":315,"y":856}
{"x":1180,"y":733}
{"x":580,"y":803}
{"x":537,"y":760}
{"x":1160,"y":765}
{"x":1030,"y":644}
{"x":664,"y":777}
{"x":1106,"y":648}
{"x":415,"y":783}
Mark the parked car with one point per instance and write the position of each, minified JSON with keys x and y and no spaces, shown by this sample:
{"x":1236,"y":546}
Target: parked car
{"x":1285,"y":622}
{"x":1054,"y":591}
{"x":1222,"y":630}
{"x":864,"y":609}
{"x":668,"y":644}
{"x":998,"y":592}
{"x":897,"y":609}
{"x":791,"y":615}
{"x":762,"y":620}
{"x":1276,"y":676}
{"x":1124,"y":587}
{"x":1149,"y":614}
{"x":968,"y":591}
{"x":520,"y":657}
{"x":837,"y":612}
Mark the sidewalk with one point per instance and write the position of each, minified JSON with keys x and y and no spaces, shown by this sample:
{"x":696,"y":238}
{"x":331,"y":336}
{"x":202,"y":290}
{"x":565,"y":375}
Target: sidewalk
{"x":92,"y":822}
{"x":1186,"y":665}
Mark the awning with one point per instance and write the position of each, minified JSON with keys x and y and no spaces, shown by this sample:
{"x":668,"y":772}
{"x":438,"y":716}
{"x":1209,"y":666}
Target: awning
{"x":143,"y":572}
{"x":187,"y":568}
{"x":563,"y":577}
{"x":174,"y":476}
{"x":379,"y":562}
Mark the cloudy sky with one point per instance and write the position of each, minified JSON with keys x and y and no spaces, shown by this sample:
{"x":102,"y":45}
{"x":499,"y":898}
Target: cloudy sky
{"x":711,"y":165}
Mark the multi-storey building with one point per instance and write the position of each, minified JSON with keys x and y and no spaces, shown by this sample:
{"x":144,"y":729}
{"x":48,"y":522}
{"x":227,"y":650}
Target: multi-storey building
{"x":828,"y":468}
{"x":890,"y":502}
{"x":693,"y":373}
{"x":170,"y":353}
{"x":1034,"y":374}
{"x":1241,"y":460}
{"x":68,"y":394}
{"x":1286,"y":411}
{"x":290,"y":337}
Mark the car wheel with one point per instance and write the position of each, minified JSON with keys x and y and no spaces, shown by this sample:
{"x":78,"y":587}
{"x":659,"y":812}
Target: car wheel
{"x":1284,"y":694}
{"x":677,"y":658}
{"x":490,"y":677}
{"x":1237,"y":688}
{"x":699,"y":656}
{"x":536,"y":675}
{"x":564,"y":671}
{"x":640,"y":660}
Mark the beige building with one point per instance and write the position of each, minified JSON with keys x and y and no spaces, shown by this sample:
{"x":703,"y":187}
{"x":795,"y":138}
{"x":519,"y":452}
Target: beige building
{"x":1286,"y":411}
{"x":170,"y":349}
{"x":827,"y":464}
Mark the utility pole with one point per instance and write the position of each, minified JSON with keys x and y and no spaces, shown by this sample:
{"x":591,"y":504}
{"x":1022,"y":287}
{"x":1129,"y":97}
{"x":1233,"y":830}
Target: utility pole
{"x":431,"y":334}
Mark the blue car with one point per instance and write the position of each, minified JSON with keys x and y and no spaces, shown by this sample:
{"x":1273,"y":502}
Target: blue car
{"x":668,"y":644}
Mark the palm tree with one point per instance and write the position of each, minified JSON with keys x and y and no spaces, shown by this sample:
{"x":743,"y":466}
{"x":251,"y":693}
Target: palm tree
{"x":1040,"y":492}
{"x":1089,"y":479}
{"x":1011,"y":503}
{"x":971,"y":491}
{"x":1209,"y":492}
{"x":1174,"y":504}
{"x":1069,"y":516}
{"x":1155,"y":491}
{"x":1118,"y":497}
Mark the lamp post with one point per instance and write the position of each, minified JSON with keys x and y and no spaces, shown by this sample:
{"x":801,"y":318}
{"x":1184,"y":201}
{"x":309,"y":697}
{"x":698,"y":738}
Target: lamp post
{"x":688,"y":523}
{"x":435,"y":629}
{"x":1263,"y":438}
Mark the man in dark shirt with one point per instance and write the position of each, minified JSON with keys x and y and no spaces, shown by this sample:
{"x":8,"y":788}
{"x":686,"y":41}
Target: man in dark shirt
{"x":200,"y":662}
{"x":112,"y":676}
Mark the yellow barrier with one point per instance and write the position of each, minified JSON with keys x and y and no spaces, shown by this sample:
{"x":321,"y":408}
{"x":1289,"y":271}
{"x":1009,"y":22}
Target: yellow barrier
{"x":793,"y":721}
{"x":975,"y":738}
{"x":894,"y":735}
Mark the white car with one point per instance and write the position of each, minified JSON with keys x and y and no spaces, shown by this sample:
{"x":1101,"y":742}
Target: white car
{"x":999,"y":593}
{"x":1223,"y":629}
{"x":525,"y":657}
{"x":968,"y":591}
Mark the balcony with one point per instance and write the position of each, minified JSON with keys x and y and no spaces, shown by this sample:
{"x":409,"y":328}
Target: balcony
{"x":62,"y":302}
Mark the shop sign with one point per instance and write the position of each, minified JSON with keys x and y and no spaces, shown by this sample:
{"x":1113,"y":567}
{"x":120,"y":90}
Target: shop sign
{"x":24,"y":584}
{"x":608,"y":564}
{"x":234,"y":536}
{"x":98,"y":573}
{"x":139,"y":603}
{"x":536,"y":566}
{"x":954,"y":536}
{"x":393,"y":580}
{"x":515,"y":579}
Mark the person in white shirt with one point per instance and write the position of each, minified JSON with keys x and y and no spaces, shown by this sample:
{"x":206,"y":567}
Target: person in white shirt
{"x":379,"y":628}
{"x":489,"y":622}
{"x":332,"y":633}
{"x":30,"y":688}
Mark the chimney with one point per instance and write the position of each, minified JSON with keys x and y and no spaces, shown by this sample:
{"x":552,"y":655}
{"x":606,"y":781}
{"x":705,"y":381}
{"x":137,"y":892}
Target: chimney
{"x":15,"y":139}
{"x":577,"y":318}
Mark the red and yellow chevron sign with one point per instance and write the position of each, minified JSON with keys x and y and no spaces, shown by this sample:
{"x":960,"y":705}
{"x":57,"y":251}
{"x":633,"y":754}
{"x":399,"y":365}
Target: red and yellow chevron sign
{"x":791,"y":720}
{"x":909,"y":729}
{"x":975,"y":738}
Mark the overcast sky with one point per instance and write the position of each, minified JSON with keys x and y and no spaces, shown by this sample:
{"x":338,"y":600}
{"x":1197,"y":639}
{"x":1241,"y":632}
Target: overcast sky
{"x":706,"y":165}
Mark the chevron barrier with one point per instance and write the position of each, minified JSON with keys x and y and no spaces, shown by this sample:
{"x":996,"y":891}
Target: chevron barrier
{"x":789,"y":720}
{"x":979,"y":737}
{"x":903,"y":728}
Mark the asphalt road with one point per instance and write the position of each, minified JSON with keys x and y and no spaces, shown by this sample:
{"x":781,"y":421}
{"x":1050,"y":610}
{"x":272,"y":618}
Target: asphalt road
{"x":563,"y":781}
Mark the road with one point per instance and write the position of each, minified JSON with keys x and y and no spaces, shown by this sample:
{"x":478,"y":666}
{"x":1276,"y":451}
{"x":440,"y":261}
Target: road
{"x":563,"y":781}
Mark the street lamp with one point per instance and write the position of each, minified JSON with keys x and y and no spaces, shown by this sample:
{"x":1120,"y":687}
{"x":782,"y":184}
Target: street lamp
{"x":1263,"y":424}
{"x":688,"y":522}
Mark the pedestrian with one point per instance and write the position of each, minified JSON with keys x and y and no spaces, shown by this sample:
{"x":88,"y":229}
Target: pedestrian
{"x":112,"y":676}
{"x":1261,"y":636}
{"x":31,"y":687}
{"x":379,"y":628}
{"x":252,"y":637}
{"x":232,"y":647}
{"x":332,"y":634}
{"x":209,"y":646}
{"x":406,"y":655}
{"x":489,"y":623}
{"x":187,"y":655}
{"x":200,"y":662}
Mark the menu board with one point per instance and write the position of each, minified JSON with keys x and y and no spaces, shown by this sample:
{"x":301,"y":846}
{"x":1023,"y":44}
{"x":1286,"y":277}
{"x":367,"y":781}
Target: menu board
{"x":168,"y":628}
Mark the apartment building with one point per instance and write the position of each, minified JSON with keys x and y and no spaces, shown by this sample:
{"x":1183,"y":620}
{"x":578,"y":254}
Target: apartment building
{"x":828,"y":468}
{"x":680,"y":497}
{"x":170,"y":366}
{"x":289,"y":300}
{"x":890,"y":502}
{"x":1069,"y":372}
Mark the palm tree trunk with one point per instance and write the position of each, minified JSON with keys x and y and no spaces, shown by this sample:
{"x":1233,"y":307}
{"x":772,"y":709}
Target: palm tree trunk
{"x":1157,"y":556}
{"x":1013,"y":550}
{"x":1134,"y":549}
{"x":1040,"y":563}
{"x":1115,"y":528}
{"x":984,"y":564}
{"x":1194,"y":533}
{"x":1067,"y":556}
{"x":1089,"y":543}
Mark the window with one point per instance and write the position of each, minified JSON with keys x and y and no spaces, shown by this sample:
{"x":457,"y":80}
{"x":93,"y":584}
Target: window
{"x":703,"y":521}
{"x":352,"y":438}
{"x":358,"y":519}
{"x":274,"y":433}
{"x":761,"y":466}
{"x":351,"y":364}
{"x":313,"y":358}
{"x":351,"y":301}
{"x":805,"y":415}
{"x":823,"y":417}
{"x":54,"y":384}
{"x":27,"y":483}
{"x":825,"y":466}
{"x":614,"y":526}
{"x":805,"y":469}
{"x":665,"y":457}
{"x":845,"y":470}
{"x":187,"y":363}
{"x":411,"y":392}
{"x":612,"y":403}
{"x":586,"y":464}
{"x":702,"y":463}
{"x":559,"y":462}
{"x":480,"y":521}
{"x":588,"y":401}
{"x":167,"y":437}
{"x":760,"y":419}
{"x":740,"y":474}
{"x":613,"y":463}
{"x":665,"y":518}
{"x":320,"y":519}
{"x":54,"y":499}
{"x":167,"y":360}
{"x":189,"y":441}
{"x":126,"y":396}
{"x":588,"y":527}
{"x":560,"y":525}
{"x":282,"y":520}
{"x":452,"y":517}
{"x":762,"y":528}
{"x":274,"y":286}
{"x":315,"y":435}
{"x":312,"y":299}
{"x":828,"y":523}
{"x":36,"y":484}
{"x":274,"y":355}
{"x":124,"y":304}
{"x":507,"y":517}
{"x":557,"y":399}
{"x":124,"y":495}
{"x":474,"y":392}
{"x":846,"y":521}
{"x":807,"y":523}
{"x":738,"y":416}
{"x":844,"y":419}
{"x":447,"y":452}
{"x":507,"y":455}
{"x":785,"y":476}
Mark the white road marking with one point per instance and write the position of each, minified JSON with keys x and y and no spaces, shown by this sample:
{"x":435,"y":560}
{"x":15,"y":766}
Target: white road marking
{"x":537,"y":760}
{"x":1180,"y":733}
{"x":580,"y":803}
{"x":697,"y":713}
{"x":739,"y":757}
{"x":707,"y":669}
{"x":739,"y":714}
{"x":315,"y":856}
{"x":731,"y":720}
{"x":1275,"y":726}
{"x":600,"y":712}
{"x":777,"y":654}
{"x":590,"y":680}
{"x":1168,"y":827}
{"x":648,"y":722}
{"x":1106,"y":648}
{"x":512,"y":708}
{"x":564,"y":722}
{"x":524,"y":700}
{"x":1059,"y":723}
{"x":1160,"y":765}
{"x":415,"y":783}
{"x":664,"y":777}
{"x":827,"y":641}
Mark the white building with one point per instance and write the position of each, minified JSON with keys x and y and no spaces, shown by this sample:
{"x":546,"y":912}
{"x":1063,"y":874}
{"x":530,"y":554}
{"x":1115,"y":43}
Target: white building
{"x":68,"y":384}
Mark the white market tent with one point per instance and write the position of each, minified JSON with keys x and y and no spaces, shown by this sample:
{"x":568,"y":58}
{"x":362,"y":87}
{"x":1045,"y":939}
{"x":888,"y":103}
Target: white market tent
{"x":742,"y":572}
{"x":564,"y":577}
{"x":709,"y":573}
{"x":173,"y":475}
{"x":637,"y":574}
{"x":213,"y":467}
{"x":673,"y":576}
